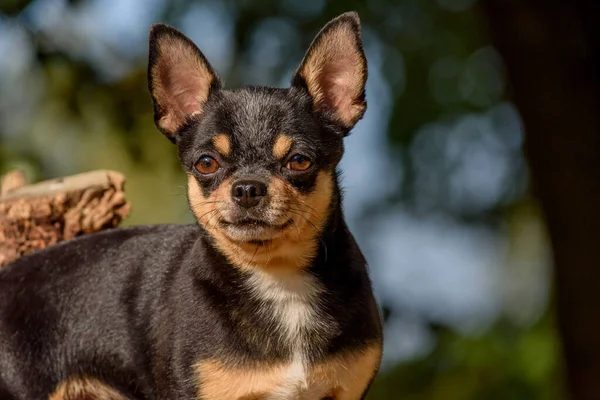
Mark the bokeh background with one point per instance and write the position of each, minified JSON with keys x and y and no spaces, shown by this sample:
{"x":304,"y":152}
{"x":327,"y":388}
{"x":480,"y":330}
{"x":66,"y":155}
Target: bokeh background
{"x":438,"y":190}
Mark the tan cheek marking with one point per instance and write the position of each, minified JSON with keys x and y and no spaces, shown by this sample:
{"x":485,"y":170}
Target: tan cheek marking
{"x":85,"y":388}
{"x":313,"y":207}
{"x":222,"y":144}
{"x":312,"y":211}
{"x":283,"y":144}
{"x":206,"y":211}
{"x":319,"y":200}
{"x":219,"y":382}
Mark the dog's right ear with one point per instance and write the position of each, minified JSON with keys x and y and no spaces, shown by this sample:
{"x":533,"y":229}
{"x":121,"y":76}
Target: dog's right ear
{"x":180,"y":79}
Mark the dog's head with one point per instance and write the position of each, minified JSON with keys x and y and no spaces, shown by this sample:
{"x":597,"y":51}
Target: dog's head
{"x":261,"y":161}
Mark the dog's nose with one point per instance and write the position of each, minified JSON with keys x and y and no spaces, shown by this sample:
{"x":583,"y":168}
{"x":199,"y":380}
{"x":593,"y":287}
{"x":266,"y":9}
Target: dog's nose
{"x":248,"y":193}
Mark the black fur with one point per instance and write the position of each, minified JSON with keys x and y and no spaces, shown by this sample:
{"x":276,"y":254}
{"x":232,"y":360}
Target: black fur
{"x":138,"y":307}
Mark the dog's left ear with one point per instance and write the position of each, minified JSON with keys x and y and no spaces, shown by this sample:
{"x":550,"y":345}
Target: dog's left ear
{"x":334,"y":71}
{"x":180,"y":79}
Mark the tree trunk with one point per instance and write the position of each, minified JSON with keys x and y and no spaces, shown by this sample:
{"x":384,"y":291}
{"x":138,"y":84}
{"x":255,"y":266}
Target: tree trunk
{"x":36,"y":216}
{"x":551,"y":58}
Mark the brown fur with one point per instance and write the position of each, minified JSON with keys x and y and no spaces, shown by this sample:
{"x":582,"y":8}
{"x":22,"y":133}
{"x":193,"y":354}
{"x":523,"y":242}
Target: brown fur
{"x":254,"y":382}
{"x":85,"y":389}
{"x":222,"y":144}
{"x":348,"y":374}
{"x":179,"y":92}
{"x":283,"y":144}
{"x":292,"y":248}
{"x":334,"y":72}
{"x":343,"y":377}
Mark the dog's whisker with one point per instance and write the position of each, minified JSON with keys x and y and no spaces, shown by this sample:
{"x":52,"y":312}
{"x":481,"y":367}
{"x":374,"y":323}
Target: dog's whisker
{"x":302,"y":212}
{"x":302,"y":203}
{"x":210,"y":219}
{"x":297,"y":229}
{"x":253,"y":255}
{"x":317,"y":232}
{"x":206,"y":213}
{"x":203,"y":203}
{"x":270,"y":253}
{"x":283,"y":210}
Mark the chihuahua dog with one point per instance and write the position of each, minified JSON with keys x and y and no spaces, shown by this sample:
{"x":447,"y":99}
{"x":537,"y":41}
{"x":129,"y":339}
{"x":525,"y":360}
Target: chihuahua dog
{"x":266,"y":297}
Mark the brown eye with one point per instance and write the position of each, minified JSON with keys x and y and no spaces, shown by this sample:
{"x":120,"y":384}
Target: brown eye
{"x":299,"y":163}
{"x":207,"y":165}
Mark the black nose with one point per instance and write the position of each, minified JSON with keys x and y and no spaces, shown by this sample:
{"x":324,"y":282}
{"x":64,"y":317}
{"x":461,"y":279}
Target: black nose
{"x":248,"y":193}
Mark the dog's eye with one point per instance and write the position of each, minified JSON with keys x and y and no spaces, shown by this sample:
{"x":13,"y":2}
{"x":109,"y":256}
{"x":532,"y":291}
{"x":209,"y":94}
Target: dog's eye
{"x":207,"y":165}
{"x":298,"y":162}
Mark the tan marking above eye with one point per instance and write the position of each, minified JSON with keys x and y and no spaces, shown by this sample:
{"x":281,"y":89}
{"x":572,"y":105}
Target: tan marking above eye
{"x":282,"y":146}
{"x":222,"y":144}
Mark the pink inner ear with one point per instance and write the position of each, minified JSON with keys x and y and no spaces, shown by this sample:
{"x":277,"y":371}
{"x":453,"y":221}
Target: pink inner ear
{"x":337,"y":88}
{"x":187,"y":91}
{"x":334,"y":73}
{"x":181,"y":84}
{"x":340,"y":84}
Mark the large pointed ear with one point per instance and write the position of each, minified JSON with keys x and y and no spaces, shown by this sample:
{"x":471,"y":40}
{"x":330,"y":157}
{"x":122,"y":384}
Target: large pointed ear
{"x":180,"y":79}
{"x":334,"y":71}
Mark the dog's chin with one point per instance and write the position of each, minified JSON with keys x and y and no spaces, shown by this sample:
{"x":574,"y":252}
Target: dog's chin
{"x":254,"y":231}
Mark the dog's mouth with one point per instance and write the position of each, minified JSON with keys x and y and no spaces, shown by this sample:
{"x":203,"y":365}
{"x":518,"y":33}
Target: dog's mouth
{"x":253,"y":230}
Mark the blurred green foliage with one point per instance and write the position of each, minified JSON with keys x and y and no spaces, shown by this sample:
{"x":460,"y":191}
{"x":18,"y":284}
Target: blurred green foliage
{"x":503,"y":363}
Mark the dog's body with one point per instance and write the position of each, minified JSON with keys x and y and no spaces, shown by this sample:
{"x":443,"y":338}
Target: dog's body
{"x":162,"y":310}
{"x":268,"y":297}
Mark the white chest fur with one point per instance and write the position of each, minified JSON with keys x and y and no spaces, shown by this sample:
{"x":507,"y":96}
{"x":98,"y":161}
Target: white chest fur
{"x":293,"y":304}
{"x":291,"y":301}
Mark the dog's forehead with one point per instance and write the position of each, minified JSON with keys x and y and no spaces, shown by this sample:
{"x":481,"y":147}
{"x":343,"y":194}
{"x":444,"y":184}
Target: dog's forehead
{"x":255,"y":117}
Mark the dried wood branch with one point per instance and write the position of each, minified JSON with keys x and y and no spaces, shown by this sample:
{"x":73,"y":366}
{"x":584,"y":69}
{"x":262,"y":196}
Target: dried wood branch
{"x":39,"y":215}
